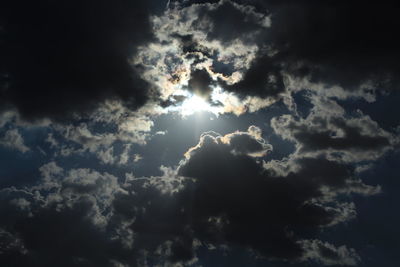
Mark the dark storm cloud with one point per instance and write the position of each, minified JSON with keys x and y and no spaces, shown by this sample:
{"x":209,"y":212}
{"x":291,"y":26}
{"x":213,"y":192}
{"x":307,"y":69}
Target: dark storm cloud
{"x":68,"y":56}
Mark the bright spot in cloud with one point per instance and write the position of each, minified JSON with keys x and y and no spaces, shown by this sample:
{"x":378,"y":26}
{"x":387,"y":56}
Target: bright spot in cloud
{"x":195,"y":104}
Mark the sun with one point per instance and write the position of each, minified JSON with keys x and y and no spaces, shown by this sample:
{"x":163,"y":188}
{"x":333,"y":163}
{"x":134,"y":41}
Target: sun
{"x":194,"y":104}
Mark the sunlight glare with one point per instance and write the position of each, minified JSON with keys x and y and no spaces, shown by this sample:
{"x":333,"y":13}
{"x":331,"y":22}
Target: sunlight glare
{"x":195,"y":104}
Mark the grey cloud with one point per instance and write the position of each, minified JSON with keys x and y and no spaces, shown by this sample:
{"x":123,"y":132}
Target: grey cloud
{"x":350,"y":139}
{"x":220,"y":195}
{"x":231,"y":21}
{"x":200,"y":83}
{"x":264,"y":78}
{"x":248,"y":201}
{"x":328,"y":254}
{"x":66,"y":221}
{"x":107,"y":156}
{"x":247,"y":143}
{"x":345,"y":44}
{"x":349,"y":45}
{"x":13,"y":139}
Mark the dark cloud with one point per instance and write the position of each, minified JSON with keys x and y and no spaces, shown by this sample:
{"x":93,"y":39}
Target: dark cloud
{"x":263,"y":79}
{"x":344,"y":43}
{"x":236,"y":201}
{"x":62,"y":236}
{"x":69,"y":56}
{"x":354,"y":139}
{"x":333,"y":42}
{"x":351,"y":139}
{"x":232,"y":22}
{"x":157,"y":220}
{"x":81,"y":217}
{"x":200,"y":83}
{"x":227,"y":198}
{"x":247,"y":143}
{"x":228,"y":192}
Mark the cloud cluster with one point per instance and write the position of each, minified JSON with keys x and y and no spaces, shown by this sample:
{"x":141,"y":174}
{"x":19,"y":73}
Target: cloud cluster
{"x":328,"y":43}
{"x":104,"y":59}
{"x":221,"y":195}
{"x":62,"y":59}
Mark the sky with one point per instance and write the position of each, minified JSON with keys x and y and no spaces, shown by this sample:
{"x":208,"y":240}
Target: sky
{"x":199,"y":133}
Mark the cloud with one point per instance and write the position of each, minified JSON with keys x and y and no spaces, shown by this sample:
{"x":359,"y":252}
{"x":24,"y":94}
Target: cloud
{"x":118,"y":217}
{"x":187,"y":57}
{"x":238,"y":201}
{"x":107,"y":156}
{"x":226,"y":192}
{"x":263,"y":79}
{"x":63,"y":58}
{"x":65,"y":219}
{"x":330,"y":42}
{"x":328,"y":254}
{"x":200,"y":82}
{"x":327,"y":130}
{"x":239,"y":21}
{"x":13,"y":139}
